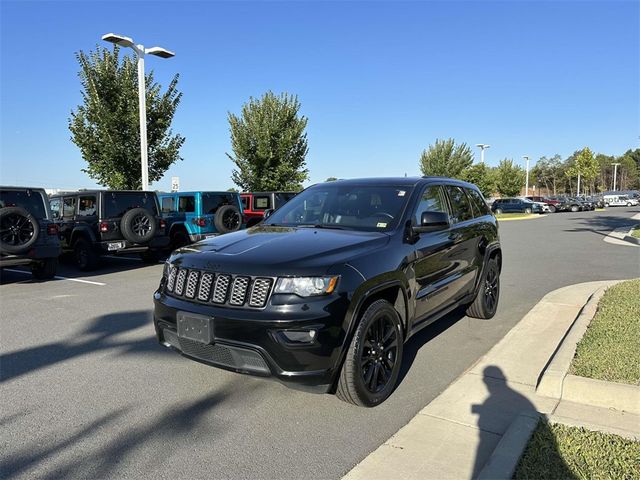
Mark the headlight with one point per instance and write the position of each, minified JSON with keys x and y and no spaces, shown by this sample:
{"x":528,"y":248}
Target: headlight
{"x":306,"y":286}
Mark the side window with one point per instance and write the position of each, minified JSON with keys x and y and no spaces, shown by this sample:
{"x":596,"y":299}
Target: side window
{"x":431,"y":200}
{"x":261,"y":203}
{"x":245,"y":202}
{"x":167,"y":205}
{"x":55,"y":205}
{"x":187,"y":204}
{"x":68,"y":207}
{"x":480,"y":207}
{"x":86,"y":206}
{"x":459,"y":204}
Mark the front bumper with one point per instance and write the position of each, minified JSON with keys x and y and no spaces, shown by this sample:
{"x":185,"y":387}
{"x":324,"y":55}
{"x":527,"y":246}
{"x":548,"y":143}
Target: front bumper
{"x":251,"y":341}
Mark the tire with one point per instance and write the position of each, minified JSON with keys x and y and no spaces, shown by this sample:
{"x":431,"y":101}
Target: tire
{"x":527,"y":211}
{"x":498,"y":211}
{"x":138,"y":225}
{"x":19,"y":230}
{"x":46,"y":269}
{"x":485,"y":304}
{"x":227,"y":219}
{"x":574,"y":208}
{"x":85,"y":257}
{"x":552,"y":209}
{"x":150,"y":256}
{"x":606,"y":204}
{"x":179,"y":239}
{"x":362,"y":378}
{"x":628,"y":204}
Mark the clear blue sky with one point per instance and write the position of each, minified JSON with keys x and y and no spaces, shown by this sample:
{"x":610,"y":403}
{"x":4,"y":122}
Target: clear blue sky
{"x":378,"y":81}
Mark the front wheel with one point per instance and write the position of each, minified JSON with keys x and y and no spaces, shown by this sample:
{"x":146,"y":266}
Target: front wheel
{"x":370,"y":371}
{"x":86,"y":258}
{"x":574,"y":208}
{"x":527,"y":211}
{"x":498,"y":211}
{"x":628,"y":204}
{"x":486,"y":302}
{"x":552,"y":209}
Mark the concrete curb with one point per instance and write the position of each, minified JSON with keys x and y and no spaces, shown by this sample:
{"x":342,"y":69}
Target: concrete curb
{"x":631,"y":239}
{"x":556,"y":382}
{"x":504,"y":460}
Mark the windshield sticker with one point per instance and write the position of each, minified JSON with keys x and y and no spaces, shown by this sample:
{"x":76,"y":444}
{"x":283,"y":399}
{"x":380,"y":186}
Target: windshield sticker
{"x":381,"y":224}
{"x":401,"y":193}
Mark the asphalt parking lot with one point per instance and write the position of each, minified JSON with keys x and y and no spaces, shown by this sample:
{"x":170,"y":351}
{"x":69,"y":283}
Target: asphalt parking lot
{"x":88,"y":393}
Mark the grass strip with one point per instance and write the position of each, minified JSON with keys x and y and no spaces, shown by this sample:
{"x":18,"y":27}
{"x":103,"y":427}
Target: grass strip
{"x":561,"y":452}
{"x":636,"y":231}
{"x":610,"y":348}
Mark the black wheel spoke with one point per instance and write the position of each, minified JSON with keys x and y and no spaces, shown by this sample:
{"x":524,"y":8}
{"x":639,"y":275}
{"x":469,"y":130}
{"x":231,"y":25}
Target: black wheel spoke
{"x":374,"y":378}
{"x":393,"y":344}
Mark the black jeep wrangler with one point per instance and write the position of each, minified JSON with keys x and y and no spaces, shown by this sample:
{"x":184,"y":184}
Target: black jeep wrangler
{"x":28,"y":235}
{"x":324,"y":293}
{"x":114,"y":222}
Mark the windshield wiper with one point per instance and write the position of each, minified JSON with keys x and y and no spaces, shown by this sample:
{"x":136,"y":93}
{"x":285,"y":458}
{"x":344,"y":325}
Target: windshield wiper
{"x":322,"y":225}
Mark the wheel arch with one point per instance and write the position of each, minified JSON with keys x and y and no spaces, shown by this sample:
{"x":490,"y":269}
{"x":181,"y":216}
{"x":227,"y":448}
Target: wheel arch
{"x":81,"y":232}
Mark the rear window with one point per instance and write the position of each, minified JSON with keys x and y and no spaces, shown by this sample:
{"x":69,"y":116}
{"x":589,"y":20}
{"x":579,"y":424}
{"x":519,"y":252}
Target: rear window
{"x":167,"y":205}
{"x":116,"y":204}
{"x":30,"y":200}
{"x":261,"y":202}
{"x":211,"y":202}
{"x":459,"y":203}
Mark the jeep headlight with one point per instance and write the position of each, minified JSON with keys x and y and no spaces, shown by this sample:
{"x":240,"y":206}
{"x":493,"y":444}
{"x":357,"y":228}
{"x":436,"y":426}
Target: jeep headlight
{"x":306,"y":286}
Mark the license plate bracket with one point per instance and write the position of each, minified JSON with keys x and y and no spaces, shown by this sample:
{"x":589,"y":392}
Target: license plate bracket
{"x":115,"y":246}
{"x":195,"y":327}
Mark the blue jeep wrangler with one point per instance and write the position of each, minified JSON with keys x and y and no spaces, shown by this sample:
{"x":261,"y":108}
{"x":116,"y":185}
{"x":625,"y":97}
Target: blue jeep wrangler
{"x":194,"y":216}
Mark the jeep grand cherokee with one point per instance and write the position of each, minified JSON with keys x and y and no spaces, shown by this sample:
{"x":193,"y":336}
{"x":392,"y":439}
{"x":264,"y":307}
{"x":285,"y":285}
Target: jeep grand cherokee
{"x":324,"y":293}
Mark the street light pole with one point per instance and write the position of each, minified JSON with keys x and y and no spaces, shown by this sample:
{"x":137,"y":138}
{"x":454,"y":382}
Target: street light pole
{"x":526,"y":157}
{"x":142,"y":97}
{"x":482,"y":147}
{"x":615,"y":174}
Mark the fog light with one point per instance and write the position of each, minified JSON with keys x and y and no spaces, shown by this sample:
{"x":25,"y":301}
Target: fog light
{"x":298,"y":336}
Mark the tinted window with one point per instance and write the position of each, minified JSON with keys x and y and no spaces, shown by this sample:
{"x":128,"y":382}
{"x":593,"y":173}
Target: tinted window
{"x":87,"y":206}
{"x":245,"y":202}
{"x":479,"y":205}
{"x":116,"y":204}
{"x":30,"y":200}
{"x":282,"y":198}
{"x":430,"y":201}
{"x":459,"y":204}
{"x":261,"y":203}
{"x":187,"y":204}
{"x":212,"y":201}
{"x":350,"y":207}
{"x":56,"y":205}
{"x":167,"y":204}
{"x":68,"y":207}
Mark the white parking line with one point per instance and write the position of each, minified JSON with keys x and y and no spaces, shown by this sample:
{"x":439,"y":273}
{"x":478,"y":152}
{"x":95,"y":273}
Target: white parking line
{"x":60,"y":278}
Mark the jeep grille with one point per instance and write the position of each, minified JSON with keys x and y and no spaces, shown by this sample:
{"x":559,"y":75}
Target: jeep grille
{"x":218,"y":288}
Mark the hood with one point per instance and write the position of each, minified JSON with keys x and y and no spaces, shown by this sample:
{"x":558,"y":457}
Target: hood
{"x":267,"y":250}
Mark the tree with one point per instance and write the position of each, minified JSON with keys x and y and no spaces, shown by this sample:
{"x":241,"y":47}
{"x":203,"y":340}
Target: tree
{"x":509,"y":178}
{"x":585,"y":167}
{"x":269,"y":144}
{"x":481,"y":176}
{"x":446,"y":159}
{"x":233,"y":190}
{"x":331,"y":179}
{"x":106,"y":127}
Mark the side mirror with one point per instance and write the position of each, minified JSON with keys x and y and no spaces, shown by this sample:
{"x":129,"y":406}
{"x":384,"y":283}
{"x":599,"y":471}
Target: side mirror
{"x":267,"y":213}
{"x":430,"y":221}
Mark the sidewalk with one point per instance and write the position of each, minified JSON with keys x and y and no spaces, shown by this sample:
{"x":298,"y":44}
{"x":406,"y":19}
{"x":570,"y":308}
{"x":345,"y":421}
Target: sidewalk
{"x":455,"y":435}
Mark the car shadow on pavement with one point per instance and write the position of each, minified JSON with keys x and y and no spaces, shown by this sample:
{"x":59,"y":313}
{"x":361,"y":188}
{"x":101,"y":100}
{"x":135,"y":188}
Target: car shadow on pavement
{"x":100,"y":335}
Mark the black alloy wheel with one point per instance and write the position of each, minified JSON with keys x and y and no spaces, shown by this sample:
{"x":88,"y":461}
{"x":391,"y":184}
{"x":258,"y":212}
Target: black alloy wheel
{"x":491,"y":289}
{"x":141,"y":225}
{"x":485,"y":303}
{"x":18,"y":230}
{"x":231,"y":220}
{"x":380,"y":354}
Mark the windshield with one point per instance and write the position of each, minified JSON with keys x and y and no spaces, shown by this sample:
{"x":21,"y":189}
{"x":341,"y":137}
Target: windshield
{"x":30,"y":200}
{"x":116,"y":204}
{"x":349,"y":207}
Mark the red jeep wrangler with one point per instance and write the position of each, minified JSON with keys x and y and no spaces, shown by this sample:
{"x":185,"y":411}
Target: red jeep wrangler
{"x":255,"y":204}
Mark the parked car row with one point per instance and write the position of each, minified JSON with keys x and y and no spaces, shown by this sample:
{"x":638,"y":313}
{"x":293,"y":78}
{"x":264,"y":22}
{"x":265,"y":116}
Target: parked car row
{"x":552,"y":204}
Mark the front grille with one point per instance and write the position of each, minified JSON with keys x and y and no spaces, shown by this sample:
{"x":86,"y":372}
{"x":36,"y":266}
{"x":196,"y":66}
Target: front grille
{"x":218,"y":288}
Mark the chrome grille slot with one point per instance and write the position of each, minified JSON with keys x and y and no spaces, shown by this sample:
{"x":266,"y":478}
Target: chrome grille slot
{"x":192,"y":283}
{"x":260,"y":292}
{"x":205,"y":286}
{"x":239,"y":291}
{"x":171,"y":279}
{"x":220,"y":289}
{"x":180,"y":279}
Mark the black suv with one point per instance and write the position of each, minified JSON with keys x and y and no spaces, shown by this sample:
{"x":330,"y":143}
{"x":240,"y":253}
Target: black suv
{"x":324,"y":293}
{"x":28,"y":235}
{"x":96,"y":222}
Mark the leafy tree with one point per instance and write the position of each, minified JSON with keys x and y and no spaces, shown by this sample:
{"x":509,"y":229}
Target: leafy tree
{"x":331,"y":179}
{"x":446,"y":159}
{"x":269,"y":144}
{"x":482,"y":176}
{"x":584,"y":166}
{"x":547,"y":172}
{"x":106,"y":127}
{"x":509,"y":178}
{"x":234,"y":190}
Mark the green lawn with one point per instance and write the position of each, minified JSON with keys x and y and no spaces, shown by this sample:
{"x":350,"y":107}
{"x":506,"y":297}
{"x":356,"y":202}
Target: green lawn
{"x":558,"y":452}
{"x":610,"y":349}
{"x":636,"y":231}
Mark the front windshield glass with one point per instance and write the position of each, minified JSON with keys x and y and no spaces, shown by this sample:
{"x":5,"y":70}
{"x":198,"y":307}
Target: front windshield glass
{"x":349,"y":207}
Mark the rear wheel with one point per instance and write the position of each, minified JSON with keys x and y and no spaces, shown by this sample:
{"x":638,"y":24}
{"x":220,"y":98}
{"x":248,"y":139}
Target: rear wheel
{"x":86,"y":258}
{"x":527,"y":211}
{"x":18,"y":230}
{"x":486,"y":302}
{"x":498,"y":211}
{"x":45,"y":269}
{"x":574,"y":208}
{"x":370,"y":371}
{"x":552,"y":209}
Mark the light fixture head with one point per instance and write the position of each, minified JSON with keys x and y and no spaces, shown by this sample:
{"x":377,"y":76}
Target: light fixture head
{"x":160,"y":52}
{"x":118,"y":40}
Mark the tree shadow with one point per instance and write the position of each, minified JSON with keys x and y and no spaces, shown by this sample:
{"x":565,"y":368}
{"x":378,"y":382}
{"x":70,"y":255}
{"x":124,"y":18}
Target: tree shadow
{"x":602,"y":224}
{"x":98,"y":336}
